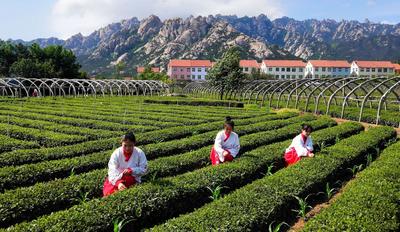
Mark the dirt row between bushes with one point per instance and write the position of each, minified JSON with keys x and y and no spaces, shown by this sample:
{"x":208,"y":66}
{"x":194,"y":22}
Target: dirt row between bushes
{"x":366,"y":125}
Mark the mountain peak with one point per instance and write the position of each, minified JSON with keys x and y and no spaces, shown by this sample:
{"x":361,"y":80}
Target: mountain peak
{"x":149,"y":26}
{"x":153,"y":41}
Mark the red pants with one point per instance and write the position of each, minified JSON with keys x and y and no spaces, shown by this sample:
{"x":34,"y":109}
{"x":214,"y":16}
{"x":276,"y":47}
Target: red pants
{"x":291,"y":157}
{"x":109,"y":188}
{"x":215,"y":158}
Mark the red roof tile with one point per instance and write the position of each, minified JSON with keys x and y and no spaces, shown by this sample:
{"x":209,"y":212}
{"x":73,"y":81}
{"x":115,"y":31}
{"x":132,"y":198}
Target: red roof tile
{"x":284,"y":63}
{"x":374,"y":64}
{"x":397,"y":67}
{"x":330,"y":63}
{"x":189,"y":63}
{"x":249,"y":63}
{"x":141,"y":69}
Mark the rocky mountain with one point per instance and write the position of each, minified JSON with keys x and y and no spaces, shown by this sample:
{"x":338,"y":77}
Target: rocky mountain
{"x":155,"y":42}
{"x":152,"y":41}
{"x":324,"y":39}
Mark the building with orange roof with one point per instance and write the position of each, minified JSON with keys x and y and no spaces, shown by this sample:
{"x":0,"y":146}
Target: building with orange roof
{"x":284,"y":69}
{"x":362,"y":68}
{"x":188,"y":69}
{"x":249,"y":66}
{"x":327,"y":68}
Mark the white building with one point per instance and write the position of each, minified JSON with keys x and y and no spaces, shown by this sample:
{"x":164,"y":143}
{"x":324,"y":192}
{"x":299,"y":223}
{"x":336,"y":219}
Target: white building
{"x":284,"y":69}
{"x":188,"y":69}
{"x":372,"y":68}
{"x":327,"y":68}
{"x":249,"y":66}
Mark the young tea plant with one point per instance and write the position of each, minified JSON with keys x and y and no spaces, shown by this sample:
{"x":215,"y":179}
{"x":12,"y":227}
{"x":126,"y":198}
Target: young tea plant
{"x":269,"y":170}
{"x":303,"y":207}
{"x":72,"y":173}
{"x":195,"y":133}
{"x":277,"y":228}
{"x":119,"y":224}
{"x":322,"y":145}
{"x":83,"y":198}
{"x":329,"y":191}
{"x":337,"y":140}
{"x":215,"y":193}
{"x":378,"y":150}
{"x":369,"y":160}
{"x":355,"y":169}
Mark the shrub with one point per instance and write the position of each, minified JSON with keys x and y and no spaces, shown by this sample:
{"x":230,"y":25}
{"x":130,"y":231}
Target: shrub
{"x":373,"y":196}
{"x":270,"y":199}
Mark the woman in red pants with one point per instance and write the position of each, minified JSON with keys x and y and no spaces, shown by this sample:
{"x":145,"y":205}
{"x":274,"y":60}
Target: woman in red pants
{"x":226,"y":145}
{"x":301,"y":146}
{"x":126,"y":166}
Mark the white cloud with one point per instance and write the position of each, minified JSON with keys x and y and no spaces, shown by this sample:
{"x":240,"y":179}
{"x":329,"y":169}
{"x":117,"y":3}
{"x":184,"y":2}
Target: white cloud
{"x":371,"y":2}
{"x":72,"y":16}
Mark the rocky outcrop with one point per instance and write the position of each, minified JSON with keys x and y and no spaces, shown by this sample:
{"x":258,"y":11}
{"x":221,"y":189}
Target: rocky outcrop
{"x":154,"y":41}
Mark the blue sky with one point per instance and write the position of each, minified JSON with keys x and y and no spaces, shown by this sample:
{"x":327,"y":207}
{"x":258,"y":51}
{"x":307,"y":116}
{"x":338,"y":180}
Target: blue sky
{"x":30,"y":19}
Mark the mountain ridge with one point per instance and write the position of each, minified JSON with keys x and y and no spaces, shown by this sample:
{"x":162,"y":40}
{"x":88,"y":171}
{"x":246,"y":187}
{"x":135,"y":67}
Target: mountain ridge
{"x":153,"y":41}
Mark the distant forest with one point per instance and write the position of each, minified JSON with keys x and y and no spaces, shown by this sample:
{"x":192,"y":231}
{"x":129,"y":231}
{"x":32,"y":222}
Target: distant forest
{"x":18,"y":60}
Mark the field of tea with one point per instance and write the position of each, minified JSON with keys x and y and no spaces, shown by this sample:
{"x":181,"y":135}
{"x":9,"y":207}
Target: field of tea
{"x":54,"y":154}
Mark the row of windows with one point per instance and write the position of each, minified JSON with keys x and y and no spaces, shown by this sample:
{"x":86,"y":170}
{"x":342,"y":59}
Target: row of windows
{"x":288,"y":76}
{"x":246,"y":69}
{"x":323,"y":76}
{"x":193,"y":69}
{"x":329,"y":69}
{"x":323,"y":69}
{"x":374,"y":70}
{"x":193,"y":77}
{"x":286,"y":69}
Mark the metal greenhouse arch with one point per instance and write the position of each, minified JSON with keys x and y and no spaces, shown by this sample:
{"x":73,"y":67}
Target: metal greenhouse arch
{"x":24,"y":87}
{"x":338,"y":95}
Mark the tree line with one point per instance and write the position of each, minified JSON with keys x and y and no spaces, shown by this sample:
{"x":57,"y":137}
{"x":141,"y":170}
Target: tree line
{"x":32,"y":61}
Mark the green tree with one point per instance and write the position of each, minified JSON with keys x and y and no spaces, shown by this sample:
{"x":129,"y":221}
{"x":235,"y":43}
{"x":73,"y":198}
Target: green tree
{"x":256,"y":74}
{"x":29,"y":68}
{"x":226,"y":73}
{"x":148,"y":74}
{"x":63,"y":61}
{"x":36,"y":62}
{"x":8,"y":56}
{"x":119,"y":67}
{"x":21,"y":51}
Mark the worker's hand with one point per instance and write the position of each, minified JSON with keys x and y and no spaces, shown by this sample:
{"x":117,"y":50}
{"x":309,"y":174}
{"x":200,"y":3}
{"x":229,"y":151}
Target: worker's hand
{"x":311,"y":154}
{"x":127,"y":171}
{"x":121,"y":186}
{"x":225,"y":153}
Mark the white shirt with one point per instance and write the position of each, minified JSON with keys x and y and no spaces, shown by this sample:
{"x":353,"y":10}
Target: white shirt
{"x":231,"y":144}
{"x":302,"y":148}
{"x":117,"y":164}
